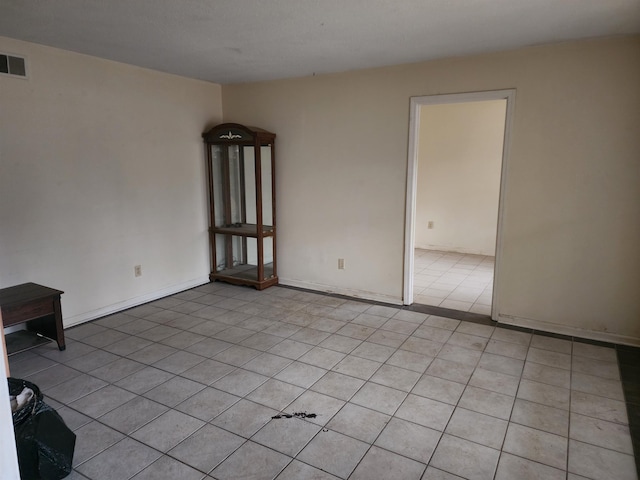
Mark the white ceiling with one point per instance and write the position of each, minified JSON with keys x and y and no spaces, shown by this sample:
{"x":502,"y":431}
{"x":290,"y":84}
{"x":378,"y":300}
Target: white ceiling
{"x":232,"y":41}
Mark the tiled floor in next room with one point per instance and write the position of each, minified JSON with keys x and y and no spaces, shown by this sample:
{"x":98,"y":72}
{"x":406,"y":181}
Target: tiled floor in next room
{"x":452,"y":280}
{"x":187,"y":387}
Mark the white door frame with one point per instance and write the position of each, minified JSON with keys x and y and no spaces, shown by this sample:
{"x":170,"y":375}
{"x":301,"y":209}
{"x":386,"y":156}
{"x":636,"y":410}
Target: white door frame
{"x":412,"y":180}
{"x":8,"y":452}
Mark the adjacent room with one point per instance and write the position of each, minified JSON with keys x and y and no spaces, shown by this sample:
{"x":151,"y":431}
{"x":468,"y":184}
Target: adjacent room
{"x":459,"y":153}
{"x":452,"y":208}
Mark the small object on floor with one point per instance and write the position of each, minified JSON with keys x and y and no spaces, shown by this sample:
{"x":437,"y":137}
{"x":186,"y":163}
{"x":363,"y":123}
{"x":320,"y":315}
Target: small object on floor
{"x":24,"y":340}
{"x":20,"y":400}
{"x":305,"y":415}
{"x":44,"y":444}
{"x":296,"y":414}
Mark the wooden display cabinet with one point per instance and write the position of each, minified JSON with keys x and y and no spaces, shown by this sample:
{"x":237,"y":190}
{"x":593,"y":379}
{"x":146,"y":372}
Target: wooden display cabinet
{"x":242,"y":205}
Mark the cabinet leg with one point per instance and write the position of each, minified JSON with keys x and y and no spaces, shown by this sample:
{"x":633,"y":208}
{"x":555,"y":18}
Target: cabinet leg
{"x":59,"y":328}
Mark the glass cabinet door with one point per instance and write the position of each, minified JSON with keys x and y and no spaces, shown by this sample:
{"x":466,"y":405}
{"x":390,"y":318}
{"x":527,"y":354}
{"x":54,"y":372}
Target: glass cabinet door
{"x":236,"y":256}
{"x":250,"y":184}
{"x":269,"y":252}
{"x":227,"y":169}
{"x":236,"y":187}
{"x":217,"y":179}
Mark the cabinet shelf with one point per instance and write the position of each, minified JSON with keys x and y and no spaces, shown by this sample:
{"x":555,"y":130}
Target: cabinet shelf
{"x":246,"y":229}
{"x":244,"y":272}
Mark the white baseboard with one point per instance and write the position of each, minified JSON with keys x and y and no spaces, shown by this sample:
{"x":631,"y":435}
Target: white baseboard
{"x":349,"y":292}
{"x":356,"y":294}
{"x":568,"y":330}
{"x":132,"y":302}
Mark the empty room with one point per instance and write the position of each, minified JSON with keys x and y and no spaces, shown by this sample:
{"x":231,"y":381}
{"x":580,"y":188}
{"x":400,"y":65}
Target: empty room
{"x":320,"y":240}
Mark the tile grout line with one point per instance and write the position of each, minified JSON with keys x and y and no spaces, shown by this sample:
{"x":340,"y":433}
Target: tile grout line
{"x":529,"y":346}
{"x":261,"y":352}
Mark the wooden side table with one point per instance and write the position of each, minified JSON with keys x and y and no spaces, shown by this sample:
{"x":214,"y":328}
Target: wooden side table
{"x":36,"y":305}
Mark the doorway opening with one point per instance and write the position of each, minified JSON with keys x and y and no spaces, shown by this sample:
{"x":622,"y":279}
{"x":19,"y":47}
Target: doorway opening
{"x":456,"y":177}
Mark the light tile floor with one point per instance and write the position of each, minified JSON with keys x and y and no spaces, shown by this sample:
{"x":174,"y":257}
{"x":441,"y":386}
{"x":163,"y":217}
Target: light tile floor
{"x":452,"y":280}
{"x":186,"y":388}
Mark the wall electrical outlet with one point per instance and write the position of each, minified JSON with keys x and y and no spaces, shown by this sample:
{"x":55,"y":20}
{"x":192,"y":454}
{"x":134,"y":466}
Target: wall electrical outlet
{"x":341,"y":264}
{"x":137,"y":270}
{"x":430,"y":224}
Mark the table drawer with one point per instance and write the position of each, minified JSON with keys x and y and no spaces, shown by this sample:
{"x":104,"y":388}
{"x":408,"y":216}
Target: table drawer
{"x":27,"y":311}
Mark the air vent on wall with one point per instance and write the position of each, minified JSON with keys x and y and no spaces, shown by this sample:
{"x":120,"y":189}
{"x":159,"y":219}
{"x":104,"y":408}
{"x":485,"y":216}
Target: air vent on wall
{"x":12,"y":65}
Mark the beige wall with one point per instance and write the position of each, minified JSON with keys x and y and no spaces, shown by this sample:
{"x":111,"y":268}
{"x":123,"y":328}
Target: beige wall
{"x":570,"y":257}
{"x":101,"y":169}
{"x":458,"y":178}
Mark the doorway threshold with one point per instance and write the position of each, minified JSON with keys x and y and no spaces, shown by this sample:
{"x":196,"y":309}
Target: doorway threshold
{"x":449,"y":313}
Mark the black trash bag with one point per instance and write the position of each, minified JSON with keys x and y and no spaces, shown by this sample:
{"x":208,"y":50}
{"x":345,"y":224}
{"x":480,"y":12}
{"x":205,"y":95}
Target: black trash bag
{"x":45,"y":444}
